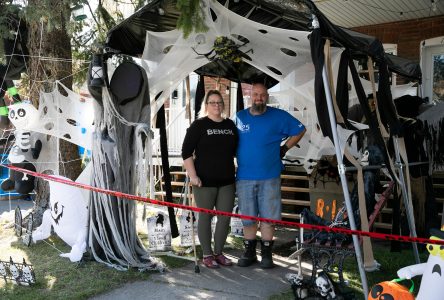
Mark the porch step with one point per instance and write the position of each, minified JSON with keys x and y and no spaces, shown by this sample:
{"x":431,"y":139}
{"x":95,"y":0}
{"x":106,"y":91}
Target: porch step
{"x":296,"y":202}
{"x":183,"y":173}
{"x":294,"y":177}
{"x":381,"y":225}
{"x":175,"y":195}
{"x":291,"y":216}
{"x":295,"y":189}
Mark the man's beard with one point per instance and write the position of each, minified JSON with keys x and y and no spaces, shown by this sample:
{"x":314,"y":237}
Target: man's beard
{"x":259,"y":107}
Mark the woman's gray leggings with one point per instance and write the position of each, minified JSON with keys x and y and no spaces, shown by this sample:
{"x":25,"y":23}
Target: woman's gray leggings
{"x":220,"y":198}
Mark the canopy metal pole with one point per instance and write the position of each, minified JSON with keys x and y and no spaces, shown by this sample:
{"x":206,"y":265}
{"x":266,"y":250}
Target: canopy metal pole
{"x":406,"y":199}
{"x":341,"y":168}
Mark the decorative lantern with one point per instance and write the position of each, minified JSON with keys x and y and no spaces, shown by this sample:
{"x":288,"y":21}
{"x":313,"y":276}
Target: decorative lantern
{"x":97,"y":71}
{"x":78,"y":13}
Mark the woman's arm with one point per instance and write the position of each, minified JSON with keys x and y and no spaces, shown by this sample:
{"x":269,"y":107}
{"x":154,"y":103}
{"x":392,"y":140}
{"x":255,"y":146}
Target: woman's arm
{"x":191,"y":170}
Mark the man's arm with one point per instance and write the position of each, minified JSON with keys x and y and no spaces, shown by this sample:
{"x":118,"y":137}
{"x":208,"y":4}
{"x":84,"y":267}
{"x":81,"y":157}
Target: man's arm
{"x":291,"y":141}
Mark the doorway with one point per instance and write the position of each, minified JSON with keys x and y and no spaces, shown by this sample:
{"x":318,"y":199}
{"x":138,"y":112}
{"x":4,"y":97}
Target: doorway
{"x":432,"y":65}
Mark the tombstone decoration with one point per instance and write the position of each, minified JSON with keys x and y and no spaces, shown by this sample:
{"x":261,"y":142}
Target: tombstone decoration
{"x":186,"y":230}
{"x":237,"y":229}
{"x":68,"y":215}
{"x":17,"y":273}
{"x":159,"y":231}
{"x":18,"y":221}
{"x":27,"y":238}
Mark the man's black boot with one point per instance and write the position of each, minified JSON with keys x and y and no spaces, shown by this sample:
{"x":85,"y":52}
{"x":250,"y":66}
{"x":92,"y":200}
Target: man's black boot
{"x":249,"y":257}
{"x":267,"y":259}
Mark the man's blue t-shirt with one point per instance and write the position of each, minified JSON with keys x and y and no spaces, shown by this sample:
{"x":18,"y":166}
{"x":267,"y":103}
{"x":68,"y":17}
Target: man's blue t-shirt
{"x":260,"y":137}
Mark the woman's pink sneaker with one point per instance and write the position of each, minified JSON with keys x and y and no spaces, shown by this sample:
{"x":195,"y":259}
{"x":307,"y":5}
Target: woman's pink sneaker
{"x":210,"y":262}
{"x":223,"y":260}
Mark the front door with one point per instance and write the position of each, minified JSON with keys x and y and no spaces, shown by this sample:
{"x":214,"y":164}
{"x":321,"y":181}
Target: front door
{"x":432,"y":65}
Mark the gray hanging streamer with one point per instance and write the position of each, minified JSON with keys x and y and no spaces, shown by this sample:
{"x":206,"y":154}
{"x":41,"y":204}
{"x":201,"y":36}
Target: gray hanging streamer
{"x":121,"y":148}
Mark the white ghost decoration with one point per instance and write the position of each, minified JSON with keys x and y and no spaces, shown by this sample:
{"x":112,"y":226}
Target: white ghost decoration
{"x":68,"y":215}
{"x":432,"y":282}
{"x":23,"y":115}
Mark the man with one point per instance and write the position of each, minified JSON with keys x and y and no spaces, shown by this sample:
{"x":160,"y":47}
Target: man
{"x":261,"y":131}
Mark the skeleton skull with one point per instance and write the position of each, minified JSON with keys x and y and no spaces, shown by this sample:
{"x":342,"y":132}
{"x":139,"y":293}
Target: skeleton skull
{"x":15,"y":273}
{"x":2,"y":269}
{"x":27,"y":274}
{"x":325,"y":286}
{"x":364,"y":158}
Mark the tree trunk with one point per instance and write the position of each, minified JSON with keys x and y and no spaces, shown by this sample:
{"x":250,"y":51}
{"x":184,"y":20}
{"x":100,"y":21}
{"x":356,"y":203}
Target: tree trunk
{"x":50,"y":40}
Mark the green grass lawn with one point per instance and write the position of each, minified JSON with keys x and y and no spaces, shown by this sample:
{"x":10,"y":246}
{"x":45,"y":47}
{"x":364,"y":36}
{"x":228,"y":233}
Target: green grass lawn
{"x":58,"y":278}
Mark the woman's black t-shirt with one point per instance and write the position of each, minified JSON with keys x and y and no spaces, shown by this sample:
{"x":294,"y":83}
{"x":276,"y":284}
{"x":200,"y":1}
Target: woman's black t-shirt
{"x":214,"y":147}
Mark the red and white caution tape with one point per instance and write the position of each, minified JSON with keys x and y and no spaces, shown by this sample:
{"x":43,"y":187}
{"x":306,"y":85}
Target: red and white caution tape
{"x":376,"y":235}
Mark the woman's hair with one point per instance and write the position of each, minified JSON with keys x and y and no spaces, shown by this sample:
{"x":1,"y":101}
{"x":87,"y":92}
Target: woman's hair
{"x":203,"y":109}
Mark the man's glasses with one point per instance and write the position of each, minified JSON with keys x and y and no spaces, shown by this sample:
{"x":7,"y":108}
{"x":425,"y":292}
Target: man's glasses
{"x":215,"y":103}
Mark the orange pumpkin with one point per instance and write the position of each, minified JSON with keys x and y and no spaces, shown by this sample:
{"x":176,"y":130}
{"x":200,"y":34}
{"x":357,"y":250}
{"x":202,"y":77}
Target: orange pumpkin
{"x":389,"y":290}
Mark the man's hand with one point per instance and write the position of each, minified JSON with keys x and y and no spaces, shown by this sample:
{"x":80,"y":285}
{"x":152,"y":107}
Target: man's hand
{"x":283,"y":150}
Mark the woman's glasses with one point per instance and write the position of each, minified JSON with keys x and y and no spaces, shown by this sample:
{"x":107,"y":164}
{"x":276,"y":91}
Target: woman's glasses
{"x":215,"y":103}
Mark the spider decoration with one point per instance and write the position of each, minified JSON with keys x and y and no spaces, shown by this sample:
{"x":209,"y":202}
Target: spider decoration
{"x":325,"y":171}
{"x":226,"y":50}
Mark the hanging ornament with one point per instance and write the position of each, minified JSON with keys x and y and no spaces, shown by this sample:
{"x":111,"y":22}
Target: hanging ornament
{"x":78,"y":13}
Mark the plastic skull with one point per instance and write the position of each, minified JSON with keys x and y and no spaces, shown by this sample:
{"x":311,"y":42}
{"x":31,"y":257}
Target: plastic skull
{"x":325,"y":286}
{"x":2,"y":269}
{"x":27,"y":274}
{"x":23,"y":115}
{"x":14,"y":271}
{"x":364,"y":158}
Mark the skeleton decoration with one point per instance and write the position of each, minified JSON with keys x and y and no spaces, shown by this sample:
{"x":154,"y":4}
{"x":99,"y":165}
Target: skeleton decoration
{"x":67,"y":117}
{"x":17,"y":273}
{"x":325,"y":286}
{"x":18,"y":181}
{"x":68,"y":215}
{"x":24,"y":116}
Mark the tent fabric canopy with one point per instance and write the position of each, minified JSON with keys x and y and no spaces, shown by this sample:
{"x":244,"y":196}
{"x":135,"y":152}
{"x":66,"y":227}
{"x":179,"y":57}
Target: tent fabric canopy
{"x":271,"y":54}
{"x":161,"y":15}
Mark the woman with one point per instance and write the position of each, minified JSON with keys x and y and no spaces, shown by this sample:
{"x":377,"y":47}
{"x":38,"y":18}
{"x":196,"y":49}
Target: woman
{"x":212,"y":140}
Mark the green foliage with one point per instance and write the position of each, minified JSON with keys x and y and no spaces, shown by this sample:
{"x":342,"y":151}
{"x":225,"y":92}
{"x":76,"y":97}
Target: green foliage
{"x":227,"y":50}
{"x":192,"y":17}
{"x":8,"y":25}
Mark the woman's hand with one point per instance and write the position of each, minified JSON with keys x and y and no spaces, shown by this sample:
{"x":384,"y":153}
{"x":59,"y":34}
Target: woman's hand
{"x":195,"y":180}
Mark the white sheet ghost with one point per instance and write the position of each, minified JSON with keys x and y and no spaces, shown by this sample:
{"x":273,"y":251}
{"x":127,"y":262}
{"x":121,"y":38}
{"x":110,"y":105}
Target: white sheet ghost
{"x":432,"y":282}
{"x":68,"y":215}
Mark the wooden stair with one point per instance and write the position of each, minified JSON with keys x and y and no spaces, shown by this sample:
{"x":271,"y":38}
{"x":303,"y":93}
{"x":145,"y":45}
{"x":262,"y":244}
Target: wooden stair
{"x":295,"y":195}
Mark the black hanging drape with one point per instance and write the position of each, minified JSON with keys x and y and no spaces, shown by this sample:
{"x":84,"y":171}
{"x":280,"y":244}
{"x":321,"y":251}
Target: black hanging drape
{"x":317,"y":55}
{"x":200,"y":95}
{"x":161,"y":124}
{"x":239,"y":97}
